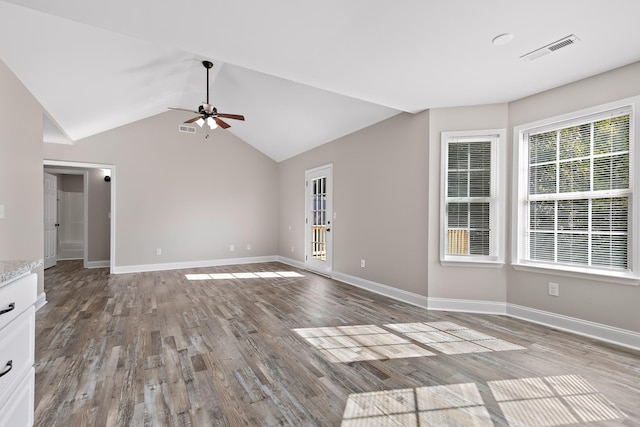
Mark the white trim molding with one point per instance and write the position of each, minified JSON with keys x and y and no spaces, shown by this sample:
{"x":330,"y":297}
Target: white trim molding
{"x":521,"y":197}
{"x":190,"y":264}
{"x":379,"y":288}
{"x":497,"y":139}
{"x":585,"y":328}
{"x":112,"y":217}
{"x":291,"y":262}
{"x":98,"y":264}
{"x":467,"y":306}
{"x":41,"y":301}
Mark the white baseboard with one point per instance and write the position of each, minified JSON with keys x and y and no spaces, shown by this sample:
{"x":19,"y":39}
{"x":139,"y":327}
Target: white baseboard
{"x":291,"y":262}
{"x":98,"y":264}
{"x":41,"y":301}
{"x":190,"y":264}
{"x":467,"y":306}
{"x":379,"y":288}
{"x":585,"y":328}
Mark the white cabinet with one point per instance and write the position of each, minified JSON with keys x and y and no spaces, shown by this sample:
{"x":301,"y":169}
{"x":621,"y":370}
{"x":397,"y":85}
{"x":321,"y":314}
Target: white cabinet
{"x":17,"y":349}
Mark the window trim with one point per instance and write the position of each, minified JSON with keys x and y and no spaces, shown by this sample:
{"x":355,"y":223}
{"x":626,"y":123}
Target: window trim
{"x":520,"y":188}
{"x":498,"y":191}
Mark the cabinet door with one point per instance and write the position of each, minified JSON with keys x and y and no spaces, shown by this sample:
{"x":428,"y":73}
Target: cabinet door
{"x":16,"y":297}
{"x":18,"y":411}
{"x":17,"y":342}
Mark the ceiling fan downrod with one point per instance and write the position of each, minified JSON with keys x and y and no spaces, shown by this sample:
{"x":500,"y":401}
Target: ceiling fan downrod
{"x":208,"y":65}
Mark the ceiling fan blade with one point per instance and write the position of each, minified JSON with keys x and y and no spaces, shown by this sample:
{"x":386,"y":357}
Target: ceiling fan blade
{"x":222,"y":124}
{"x":194,"y":119}
{"x":231,"y":116}
{"x":182,"y":109}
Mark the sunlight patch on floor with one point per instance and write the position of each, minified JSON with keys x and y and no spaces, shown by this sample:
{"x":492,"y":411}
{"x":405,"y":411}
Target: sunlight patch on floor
{"x":552,"y":401}
{"x":451,"y":338}
{"x":255,"y":275}
{"x":543,"y":402}
{"x":346,"y":344}
{"x":447,"y":405}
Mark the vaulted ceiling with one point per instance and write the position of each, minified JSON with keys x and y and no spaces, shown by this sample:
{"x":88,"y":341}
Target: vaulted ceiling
{"x":302,"y":73}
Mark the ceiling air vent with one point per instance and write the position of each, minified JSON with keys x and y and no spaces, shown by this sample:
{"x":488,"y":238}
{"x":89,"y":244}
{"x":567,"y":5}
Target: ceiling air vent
{"x":564,"y":42}
{"x":187,"y":129}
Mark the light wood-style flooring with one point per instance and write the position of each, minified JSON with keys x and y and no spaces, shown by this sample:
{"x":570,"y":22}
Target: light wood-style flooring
{"x":219,"y":347}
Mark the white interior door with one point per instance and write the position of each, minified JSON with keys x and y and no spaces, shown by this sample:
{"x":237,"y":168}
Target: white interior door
{"x":319,"y":218}
{"x":50,"y":220}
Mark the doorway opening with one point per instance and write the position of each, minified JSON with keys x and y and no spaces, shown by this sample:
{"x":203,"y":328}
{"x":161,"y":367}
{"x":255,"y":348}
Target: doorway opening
{"x":84,"y":213}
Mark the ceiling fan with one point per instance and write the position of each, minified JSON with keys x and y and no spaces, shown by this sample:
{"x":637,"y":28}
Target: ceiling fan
{"x":207,"y":113}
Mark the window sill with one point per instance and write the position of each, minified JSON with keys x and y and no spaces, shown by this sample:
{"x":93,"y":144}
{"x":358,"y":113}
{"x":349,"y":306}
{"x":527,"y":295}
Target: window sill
{"x":619,"y":278}
{"x":469,"y":263}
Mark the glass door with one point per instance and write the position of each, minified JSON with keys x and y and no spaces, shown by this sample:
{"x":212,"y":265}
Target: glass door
{"x":318,"y":219}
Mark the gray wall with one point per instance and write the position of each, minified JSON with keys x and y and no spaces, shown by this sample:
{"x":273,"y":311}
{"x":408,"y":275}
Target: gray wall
{"x":483,"y":283}
{"x":380,"y":199}
{"x":608,"y":303}
{"x":99,"y":193}
{"x":189,"y":196}
{"x":71,"y":183}
{"x":21,"y":188}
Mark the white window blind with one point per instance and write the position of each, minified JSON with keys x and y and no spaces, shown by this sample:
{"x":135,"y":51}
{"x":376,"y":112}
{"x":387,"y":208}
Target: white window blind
{"x":470,"y":211}
{"x":578,"y":192}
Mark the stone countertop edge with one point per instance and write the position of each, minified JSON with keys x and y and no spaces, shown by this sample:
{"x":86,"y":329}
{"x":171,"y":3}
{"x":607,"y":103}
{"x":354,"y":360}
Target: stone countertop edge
{"x":9,"y":270}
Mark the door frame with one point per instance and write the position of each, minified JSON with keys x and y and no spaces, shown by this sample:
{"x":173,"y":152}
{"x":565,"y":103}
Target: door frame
{"x":59,"y":166}
{"x":85,"y":206}
{"x":53,"y":260}
{"x":330,"y":218}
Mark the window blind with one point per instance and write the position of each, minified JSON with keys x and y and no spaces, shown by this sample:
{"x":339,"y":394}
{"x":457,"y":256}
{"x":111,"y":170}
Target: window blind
{"x":578,"y":191}
{"x":468,"y":198}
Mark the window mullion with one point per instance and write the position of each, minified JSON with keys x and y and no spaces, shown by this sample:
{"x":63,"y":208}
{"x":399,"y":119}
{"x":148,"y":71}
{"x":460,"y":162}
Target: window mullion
{"x":554,"y":232}
{"x":591,"y":187}
{"x":555,"y":204}
{"x":468,"y":238}
{"x":590,"y":234}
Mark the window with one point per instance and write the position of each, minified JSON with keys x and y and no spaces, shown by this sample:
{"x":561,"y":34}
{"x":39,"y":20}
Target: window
{"x":470,"y":208}
{"x":574,"y":209}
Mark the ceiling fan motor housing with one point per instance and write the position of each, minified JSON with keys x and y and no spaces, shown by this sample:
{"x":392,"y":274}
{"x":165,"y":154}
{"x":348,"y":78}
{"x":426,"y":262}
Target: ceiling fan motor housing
{"x":207,"y":110}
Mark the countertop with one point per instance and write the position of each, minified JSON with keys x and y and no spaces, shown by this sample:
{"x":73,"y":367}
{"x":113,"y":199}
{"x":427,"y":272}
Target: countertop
{"x":15,"y":268}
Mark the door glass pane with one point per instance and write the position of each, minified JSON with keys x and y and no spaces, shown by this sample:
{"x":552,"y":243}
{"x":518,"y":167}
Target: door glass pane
{"x":319,"y":218}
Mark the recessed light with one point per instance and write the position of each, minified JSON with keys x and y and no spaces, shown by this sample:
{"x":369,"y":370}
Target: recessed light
{"x":502,"y":39}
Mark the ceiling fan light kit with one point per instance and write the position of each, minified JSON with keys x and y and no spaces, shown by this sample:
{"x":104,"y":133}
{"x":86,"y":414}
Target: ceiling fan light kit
{"x":207,"y":113}
{"x":212,"y":124}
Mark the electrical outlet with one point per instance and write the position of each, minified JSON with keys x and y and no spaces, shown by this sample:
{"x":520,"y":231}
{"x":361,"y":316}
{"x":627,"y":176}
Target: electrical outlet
{"x":248,"y":247}
{"x":1,"y":211}
{"x":362,"y":263}
{"x":158,"y":251}
{"x":232,"y":248}
{"x":554,"y":289}
{"x":293,"y":249}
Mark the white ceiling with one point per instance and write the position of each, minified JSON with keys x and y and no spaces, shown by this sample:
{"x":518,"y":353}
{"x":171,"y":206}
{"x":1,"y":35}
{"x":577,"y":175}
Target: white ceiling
{"x":302,"y":73}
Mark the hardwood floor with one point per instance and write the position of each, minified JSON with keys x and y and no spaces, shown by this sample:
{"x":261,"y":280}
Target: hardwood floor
{"x":164,"y":348}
